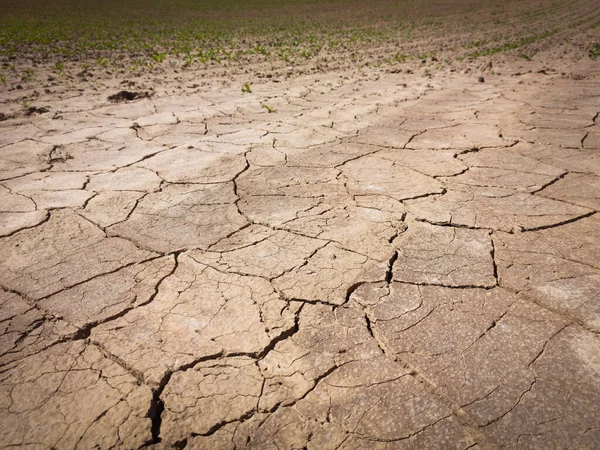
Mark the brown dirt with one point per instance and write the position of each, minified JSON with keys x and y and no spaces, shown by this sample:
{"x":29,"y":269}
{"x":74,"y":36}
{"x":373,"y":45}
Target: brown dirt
{"x":344,"y":257}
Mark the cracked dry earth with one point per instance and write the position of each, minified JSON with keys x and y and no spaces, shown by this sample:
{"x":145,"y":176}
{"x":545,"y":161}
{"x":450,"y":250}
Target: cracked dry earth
{"x":374,"y":265}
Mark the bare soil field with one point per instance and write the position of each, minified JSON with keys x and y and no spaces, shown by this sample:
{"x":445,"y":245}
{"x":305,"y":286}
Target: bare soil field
{"x":284,"y":225}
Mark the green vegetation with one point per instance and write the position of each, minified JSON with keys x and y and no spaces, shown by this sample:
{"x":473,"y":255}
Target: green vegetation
{"x":246,"y":88}
{"x":159,"y":57}
{"x":594,"y":50}
{"x":102,"y":62}
{"x":59,"y":69}
{"x":210,"y":30}
{"x":28,"y":75}
{"x":143,"y":34}
{"x":269,"y":109}
{"x":400,"y":57}
{"x":513,"y":45}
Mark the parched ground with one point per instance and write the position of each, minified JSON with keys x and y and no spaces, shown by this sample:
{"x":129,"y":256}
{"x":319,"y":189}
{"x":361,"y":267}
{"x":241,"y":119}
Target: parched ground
{"x":350,"y":259}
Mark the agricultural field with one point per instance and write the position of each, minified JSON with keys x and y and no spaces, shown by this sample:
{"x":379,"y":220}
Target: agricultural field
{"x":299,"y":225}
{"x":85,"y":42}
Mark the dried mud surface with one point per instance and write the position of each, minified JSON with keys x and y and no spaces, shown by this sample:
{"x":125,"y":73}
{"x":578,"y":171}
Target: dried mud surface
{"x":385,"y":261}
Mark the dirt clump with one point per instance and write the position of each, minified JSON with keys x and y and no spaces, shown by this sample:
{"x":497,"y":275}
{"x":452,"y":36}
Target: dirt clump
{"x":127,"y":96}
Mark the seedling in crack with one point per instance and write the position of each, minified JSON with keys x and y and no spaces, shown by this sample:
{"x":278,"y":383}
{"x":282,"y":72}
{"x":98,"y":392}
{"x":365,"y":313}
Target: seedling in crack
{"x":246,"y":88}
{"x":270,"y":109}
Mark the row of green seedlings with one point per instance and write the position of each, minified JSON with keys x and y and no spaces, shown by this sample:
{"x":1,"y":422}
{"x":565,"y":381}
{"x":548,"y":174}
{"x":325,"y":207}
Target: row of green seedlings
{"x":512,"y":45}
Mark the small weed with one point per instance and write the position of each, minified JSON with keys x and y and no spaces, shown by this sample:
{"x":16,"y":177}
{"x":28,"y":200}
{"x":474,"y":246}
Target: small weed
{"x":400,"y":57}
{"x":3,"y":79}
{"x":189,"y":59}
{"x":25,"y":104}
{"x":285,"y":56}
{"x":477,"y":44}
{"x":209,"y":55}
{"x":526,"y":57}
{"x":270,"y":109}
{"x":28,"y":75}
{"x":594,"y":50}
{"x":159,"y":57}
{"x":246,"y":88}
{"x":102,"y":62}
{"x":59,"y":69}
{"x":260,"y":50}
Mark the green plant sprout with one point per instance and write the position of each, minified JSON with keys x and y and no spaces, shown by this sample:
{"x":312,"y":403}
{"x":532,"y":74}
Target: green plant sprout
{"x":159,"y":57}
{"x":28,"y":75}
{"x":102,"y":62}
